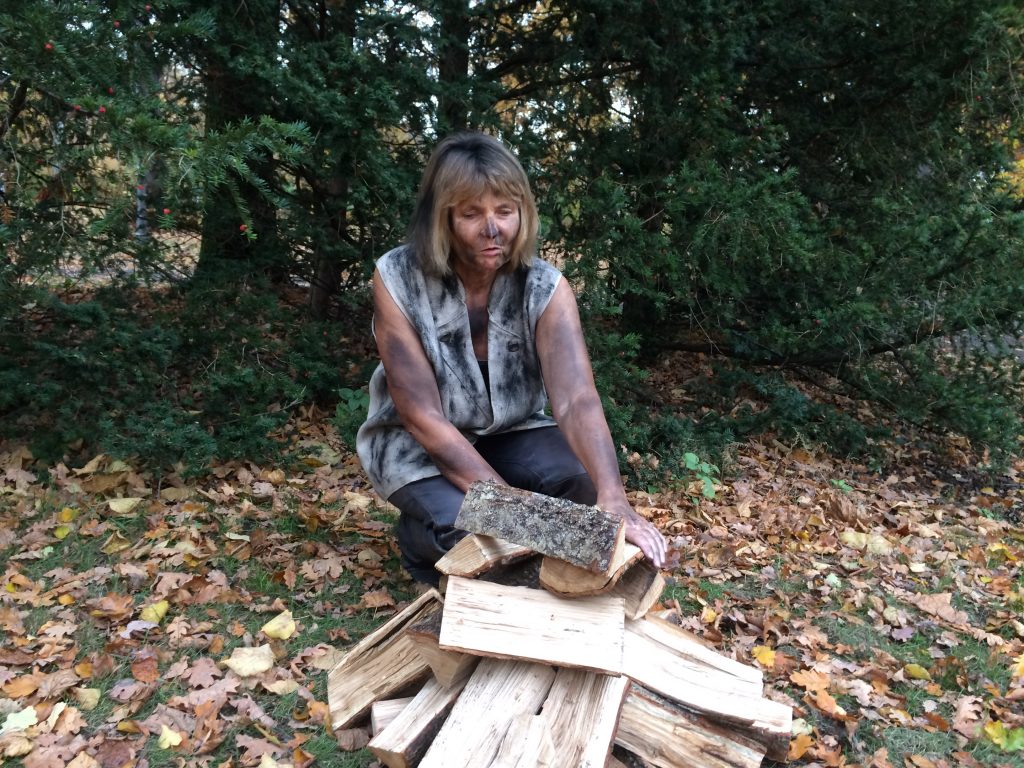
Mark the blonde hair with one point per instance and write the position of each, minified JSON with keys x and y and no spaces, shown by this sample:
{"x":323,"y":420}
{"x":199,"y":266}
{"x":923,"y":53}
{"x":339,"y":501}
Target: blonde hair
{"x":463,"y":167}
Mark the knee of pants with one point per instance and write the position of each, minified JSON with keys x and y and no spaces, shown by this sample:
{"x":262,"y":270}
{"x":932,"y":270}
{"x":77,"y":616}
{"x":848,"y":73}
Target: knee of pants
{"x":579,"y":488}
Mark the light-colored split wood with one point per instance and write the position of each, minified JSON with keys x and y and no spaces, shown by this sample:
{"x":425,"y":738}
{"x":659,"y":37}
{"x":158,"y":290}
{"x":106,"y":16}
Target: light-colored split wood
{"x":384,"y":711}
{"x":527,"y":744}
{"x":517,"y":622}
{"x":668,"y":736}
{"x":497,"y":692}
{"x":409,"y":735}
{"x":582,"y":710}
{"x":476,"y":554}
{"x":640,"y":587}
{"x":381,"y":664}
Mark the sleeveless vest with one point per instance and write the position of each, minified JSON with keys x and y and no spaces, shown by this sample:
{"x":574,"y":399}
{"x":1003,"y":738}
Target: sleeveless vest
{"x":436,"y":308}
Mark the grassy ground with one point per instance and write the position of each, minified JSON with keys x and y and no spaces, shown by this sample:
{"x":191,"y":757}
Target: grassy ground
{"x":136,"y":612}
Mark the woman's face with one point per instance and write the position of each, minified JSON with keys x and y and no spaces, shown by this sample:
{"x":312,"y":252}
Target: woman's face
{"x":483,"y":229}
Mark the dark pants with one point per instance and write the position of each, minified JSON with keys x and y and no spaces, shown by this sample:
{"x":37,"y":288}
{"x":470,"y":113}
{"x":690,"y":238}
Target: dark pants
{"x":533,"y":459}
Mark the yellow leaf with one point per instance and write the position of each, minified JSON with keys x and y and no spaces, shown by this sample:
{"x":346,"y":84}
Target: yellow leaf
{"x":67,"y":514}
{"x":173,"y":493}
{"x":916,"y":672}
{"x":62,"y":531}
{"x":66,"y":599}
{"x":266,"y":761}
{"x":708,"y":615}
{"x":281,"y":627}
{"x":854,"y":539}
{"x":116,"y":542}
{"x":765,"y":656}
{"x":996,"y":732}
{"x":155,"y":612}
{"x":88,"y":698}
{"x":878,"y":545}
{"x":246,"y":662}
{"x":123,"y":506}
{"x":1017,"y":670}
{"x":168,"y":738}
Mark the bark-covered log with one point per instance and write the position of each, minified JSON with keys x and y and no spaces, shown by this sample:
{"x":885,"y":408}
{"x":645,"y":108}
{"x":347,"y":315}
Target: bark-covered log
{"x":581,"y":535}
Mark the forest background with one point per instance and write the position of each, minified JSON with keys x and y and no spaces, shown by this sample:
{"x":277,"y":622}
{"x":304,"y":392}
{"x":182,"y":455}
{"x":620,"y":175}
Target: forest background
{"x":798,"y":223}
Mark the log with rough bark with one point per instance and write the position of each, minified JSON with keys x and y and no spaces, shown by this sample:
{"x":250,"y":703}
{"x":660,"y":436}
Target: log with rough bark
{"x":408,"y":736}
{"x":448,"y":667}
{"x":569,"y":580}
{"x":706,"y":683}
{"x":476,"y":554}
{"x":668,"y":736}
{"x":384,"y":711}
{"x":582,"y":710}
{"x":527,"y":744}
{"x":640,"y":587}
{"x":380,"y":665}
{"x":497,"y":692}
{"x":581,"y":535}
{"x":518,"y":622}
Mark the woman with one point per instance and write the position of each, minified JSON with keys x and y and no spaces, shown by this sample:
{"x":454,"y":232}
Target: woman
{"x":475,"y":334}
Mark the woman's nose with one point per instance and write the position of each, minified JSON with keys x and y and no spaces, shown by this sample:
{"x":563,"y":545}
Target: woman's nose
{"x":490,"y":227}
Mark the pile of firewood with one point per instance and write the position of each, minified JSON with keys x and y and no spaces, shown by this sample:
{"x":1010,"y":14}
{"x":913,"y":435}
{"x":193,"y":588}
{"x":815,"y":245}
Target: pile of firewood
{"x":541,"y":652}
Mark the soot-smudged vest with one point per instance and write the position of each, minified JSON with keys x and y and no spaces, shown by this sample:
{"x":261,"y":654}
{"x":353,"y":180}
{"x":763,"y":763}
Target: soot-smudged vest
{"x":436,"y":307}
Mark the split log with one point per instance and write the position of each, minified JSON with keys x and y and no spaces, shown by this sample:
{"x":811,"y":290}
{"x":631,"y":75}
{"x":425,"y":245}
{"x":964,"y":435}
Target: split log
{"x":448,"y":667}
{"x":409,"y":735}
{"x":640,"y":587}
{"x":706,"y":683}
{"x":498,"y":692}
{"x":476,"y":553}
{"x":381,"y":664}
{"x":581,"y":535}
{"x":668,"y":736}
{"x":521,"y":623}
{"x":582,"y":710}
{"x":569,"y":580}
{"x":384,"y":711}
{"x":527,"y":744}
{"x":522,"y":573}
{"x":675,"y":640}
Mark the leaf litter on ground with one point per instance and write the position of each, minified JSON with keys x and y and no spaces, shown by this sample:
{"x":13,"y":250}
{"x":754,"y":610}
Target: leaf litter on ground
{"x":144,"y":617}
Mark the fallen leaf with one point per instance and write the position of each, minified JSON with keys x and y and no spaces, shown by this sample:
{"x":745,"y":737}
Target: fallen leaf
{"x":281,"y":627}
{"x":87,"y":698}
{"x":799,"y":745}
{"x":155,"y":612}
{"x":351,"y":739}
{"x":246,"y":662}
{"x":168,"y":738}
{"x":765,"y":656}
{"x":916,"y":672}
{"x":19,"y":721}
{"x":123,"y":506}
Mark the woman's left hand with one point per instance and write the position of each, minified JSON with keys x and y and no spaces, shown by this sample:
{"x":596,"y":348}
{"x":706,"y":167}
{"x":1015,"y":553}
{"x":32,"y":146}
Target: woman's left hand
{"x":642,"y":533}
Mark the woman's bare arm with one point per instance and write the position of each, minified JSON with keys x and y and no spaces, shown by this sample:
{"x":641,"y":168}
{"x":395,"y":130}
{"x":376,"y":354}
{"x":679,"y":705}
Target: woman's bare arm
{"x":577,"y":408}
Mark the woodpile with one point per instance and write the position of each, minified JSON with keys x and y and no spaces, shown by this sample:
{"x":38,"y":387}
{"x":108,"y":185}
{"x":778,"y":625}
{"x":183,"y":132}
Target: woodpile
{"x":539,"y":651}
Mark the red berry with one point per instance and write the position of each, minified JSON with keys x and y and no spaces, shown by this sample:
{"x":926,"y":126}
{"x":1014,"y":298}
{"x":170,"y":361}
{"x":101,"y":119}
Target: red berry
{"x":148,"y":7}
{"x":141,"y":187}
{"x":102,"y":109}
{"x":78,"y":107}
{"x":242,"y":227}
{"x":48,"y":46}
{"x":110,"y":90}
{"x":116,"y":24}
{"x":167,"y":211}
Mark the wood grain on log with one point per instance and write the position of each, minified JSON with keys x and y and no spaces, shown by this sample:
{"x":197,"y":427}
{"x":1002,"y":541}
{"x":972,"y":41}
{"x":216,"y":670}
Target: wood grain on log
{"x":668,"y":736}
{"x":569,"y":580}
{"x":380,"y":665}
{"x":410,"y":734}
{"x":476,"y":554}
{"x":498,"y":692}
{"x":582,"y":709}
{"x":517,"y":622}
